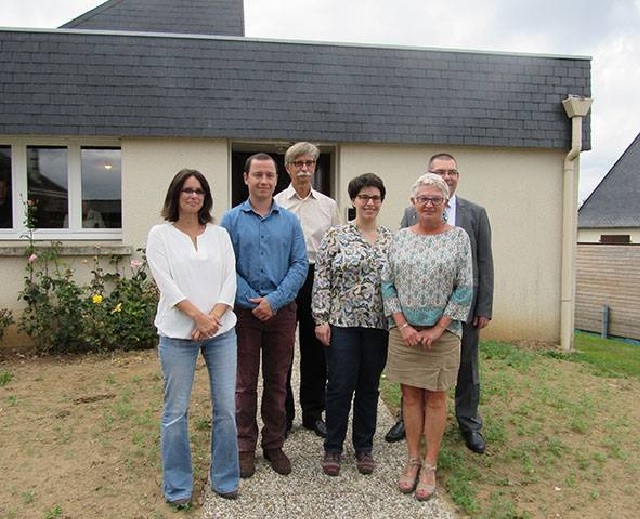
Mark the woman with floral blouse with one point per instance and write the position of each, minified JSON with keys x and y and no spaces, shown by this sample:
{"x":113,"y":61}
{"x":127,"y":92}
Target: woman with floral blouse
{"x":427,"y":287}
{"x":347,"y":308}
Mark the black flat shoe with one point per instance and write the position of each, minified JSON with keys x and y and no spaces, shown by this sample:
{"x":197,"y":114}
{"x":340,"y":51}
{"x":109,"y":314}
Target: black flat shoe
{"x":318,"y":427}
{"x":474,"y":441}
{"x":396,"y":433}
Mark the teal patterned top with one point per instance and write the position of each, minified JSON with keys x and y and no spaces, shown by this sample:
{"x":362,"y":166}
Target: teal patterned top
{"x":427,"y":277}
{"x":346,"y":287}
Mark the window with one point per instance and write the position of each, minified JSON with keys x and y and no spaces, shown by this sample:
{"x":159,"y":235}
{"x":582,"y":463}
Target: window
{"x":6,"y":200}
{"x":101,"y":175}
{"x":47,"y":185}
{"x":76,"y":189}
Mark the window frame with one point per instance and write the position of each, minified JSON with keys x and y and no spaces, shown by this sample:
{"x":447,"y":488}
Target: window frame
{"x":19,"y":185}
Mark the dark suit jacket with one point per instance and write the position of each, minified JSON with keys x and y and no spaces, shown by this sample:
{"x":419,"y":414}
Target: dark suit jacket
{"x":473,"y":219}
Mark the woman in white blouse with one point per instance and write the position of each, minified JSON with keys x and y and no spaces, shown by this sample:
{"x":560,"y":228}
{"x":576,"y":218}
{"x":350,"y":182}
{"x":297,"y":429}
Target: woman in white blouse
{"x":193,"y":264}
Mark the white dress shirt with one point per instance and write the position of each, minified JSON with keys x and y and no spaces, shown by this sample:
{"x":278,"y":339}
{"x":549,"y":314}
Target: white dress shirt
{"x":450,"y":210}
{"x":317,"y":212}
{"x":204,"y":275}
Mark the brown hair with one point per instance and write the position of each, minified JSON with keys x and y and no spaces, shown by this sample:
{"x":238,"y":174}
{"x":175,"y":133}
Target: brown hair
{"x":171,"y":209}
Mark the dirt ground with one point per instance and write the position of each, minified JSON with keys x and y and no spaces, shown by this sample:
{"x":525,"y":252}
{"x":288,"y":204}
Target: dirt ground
{"x":79,"y":439}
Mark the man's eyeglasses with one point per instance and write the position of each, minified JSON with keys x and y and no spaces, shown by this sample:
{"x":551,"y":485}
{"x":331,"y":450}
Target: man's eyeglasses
{"x":190,"y":191}
{"x":299,"y":163}
{"x":445,"y":172}
{"x":433,"y":200}
{"x":376,"y":199}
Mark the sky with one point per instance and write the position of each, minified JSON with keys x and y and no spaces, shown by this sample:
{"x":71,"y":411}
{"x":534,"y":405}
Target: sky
{"x":606,"y":30}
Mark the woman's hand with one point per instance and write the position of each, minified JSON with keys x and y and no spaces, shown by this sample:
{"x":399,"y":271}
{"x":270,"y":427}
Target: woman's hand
{"x":323,"y":334}
{"x":410,"y":335}
{"x":429,"y":335}
{"x":206,"y":327}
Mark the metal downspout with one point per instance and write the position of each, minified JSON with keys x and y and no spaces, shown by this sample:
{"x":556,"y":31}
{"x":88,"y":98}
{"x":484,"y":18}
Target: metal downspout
{"x":577,"y":108}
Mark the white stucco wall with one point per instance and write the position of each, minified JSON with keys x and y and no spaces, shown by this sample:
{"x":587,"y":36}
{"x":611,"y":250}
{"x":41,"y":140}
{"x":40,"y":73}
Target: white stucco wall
{"x":148,"y":165}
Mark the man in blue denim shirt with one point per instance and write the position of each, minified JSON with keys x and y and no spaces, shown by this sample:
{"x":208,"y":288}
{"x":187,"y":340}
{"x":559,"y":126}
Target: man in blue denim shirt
{"x":271,"y":266}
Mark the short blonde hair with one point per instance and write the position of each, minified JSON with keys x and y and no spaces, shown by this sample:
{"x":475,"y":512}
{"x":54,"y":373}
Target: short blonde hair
{"x":431,"y":179}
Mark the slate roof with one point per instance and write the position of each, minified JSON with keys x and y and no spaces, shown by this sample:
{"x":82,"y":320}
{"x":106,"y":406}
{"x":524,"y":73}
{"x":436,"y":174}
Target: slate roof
{"x":212,"y":17}
{"x":64,"y":82}
{"x":616,"y":200}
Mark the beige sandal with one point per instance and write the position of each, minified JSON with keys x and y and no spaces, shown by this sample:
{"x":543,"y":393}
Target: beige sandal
{"x":407,"y":483}
{"x":424,"y":492}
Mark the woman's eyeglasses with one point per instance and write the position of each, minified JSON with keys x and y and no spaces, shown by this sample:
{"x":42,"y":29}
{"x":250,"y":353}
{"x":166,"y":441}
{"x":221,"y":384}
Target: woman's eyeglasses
{"x":376,"y":199}
{"x":424,"y":200}
{"x":190,"y":191}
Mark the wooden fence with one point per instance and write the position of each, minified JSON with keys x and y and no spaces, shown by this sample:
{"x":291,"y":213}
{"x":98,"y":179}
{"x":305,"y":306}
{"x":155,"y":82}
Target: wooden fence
{"x":608,"y":275}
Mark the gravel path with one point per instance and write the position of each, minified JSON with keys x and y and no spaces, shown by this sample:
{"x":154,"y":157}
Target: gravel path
{"x":307,"y":492}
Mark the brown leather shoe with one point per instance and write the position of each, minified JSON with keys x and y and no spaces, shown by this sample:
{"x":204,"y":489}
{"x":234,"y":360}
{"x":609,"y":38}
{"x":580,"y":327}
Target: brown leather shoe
{"x":247,"y":461}
{"x":365,"y":462}
{"x":331,"y":463}
{"x":279,"y":461}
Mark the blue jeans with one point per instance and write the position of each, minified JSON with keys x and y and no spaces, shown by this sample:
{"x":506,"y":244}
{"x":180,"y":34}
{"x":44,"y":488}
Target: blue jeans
{"x":178,"y":360}
{"x":355,"y":359}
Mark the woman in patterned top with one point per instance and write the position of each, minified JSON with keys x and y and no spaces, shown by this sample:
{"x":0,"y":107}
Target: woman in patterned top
{"x":426,"y":287}
{"x":347,"y":308}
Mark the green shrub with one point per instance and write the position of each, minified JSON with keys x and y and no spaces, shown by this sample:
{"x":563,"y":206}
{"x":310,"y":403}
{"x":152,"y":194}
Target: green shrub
{"x":112,"y":311}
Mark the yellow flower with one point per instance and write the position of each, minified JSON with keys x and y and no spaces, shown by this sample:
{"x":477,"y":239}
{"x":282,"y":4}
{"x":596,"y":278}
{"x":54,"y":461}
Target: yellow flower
{"x":97,"y":299}
{"x":117,"y":309}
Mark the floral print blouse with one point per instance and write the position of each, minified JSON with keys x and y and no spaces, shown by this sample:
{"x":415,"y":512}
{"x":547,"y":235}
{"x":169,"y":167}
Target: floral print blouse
{"x":427,"y":277}
{"x":346,"y":287}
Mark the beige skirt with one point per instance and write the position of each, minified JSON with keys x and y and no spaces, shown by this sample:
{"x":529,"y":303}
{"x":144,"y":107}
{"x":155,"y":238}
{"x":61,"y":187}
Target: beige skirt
{"x":435,"y":369}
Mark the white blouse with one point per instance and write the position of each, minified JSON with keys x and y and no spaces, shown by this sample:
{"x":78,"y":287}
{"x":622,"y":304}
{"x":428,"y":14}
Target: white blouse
{"x":204,"y":274}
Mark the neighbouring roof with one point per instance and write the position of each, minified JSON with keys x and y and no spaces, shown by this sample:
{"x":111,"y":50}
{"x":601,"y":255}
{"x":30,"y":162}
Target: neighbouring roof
{"x":212,"y":17}
{"x":616,"y":200}
{"x":85,"y":82}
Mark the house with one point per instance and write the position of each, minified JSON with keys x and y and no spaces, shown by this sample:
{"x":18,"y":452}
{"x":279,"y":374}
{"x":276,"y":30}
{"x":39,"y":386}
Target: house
{"x":611,"y":213}
{"x":101,"y":113}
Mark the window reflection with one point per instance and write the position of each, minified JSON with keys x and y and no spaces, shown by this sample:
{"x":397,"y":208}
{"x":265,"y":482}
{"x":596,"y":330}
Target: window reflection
{"x":101,"y":180}
{"x":6,"y":209}
{"x":48,"y":185}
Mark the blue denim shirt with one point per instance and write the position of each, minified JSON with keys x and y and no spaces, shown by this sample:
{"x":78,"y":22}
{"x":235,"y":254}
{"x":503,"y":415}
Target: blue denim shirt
{"x":271,"y":257}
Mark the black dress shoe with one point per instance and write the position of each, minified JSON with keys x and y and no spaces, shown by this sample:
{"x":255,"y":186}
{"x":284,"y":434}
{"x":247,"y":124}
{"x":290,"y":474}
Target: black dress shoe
{"x":396,"y":433}
{"x":318,"y":427}
{"x":474,"y":441}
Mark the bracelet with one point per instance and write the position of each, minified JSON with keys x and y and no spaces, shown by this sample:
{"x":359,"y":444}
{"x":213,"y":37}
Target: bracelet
{"x":403,"y":326}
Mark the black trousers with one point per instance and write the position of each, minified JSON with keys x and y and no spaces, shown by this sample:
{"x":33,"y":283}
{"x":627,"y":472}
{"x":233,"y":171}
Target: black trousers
{"x":468,"y":384}
{"x":313,"y":366}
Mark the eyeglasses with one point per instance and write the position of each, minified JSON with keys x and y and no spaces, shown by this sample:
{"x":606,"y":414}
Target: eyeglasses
{"x":434,"y":200}
{"x":299,"y":163}
{"x":190,"y":191}
{"x":376,"y":199}
{"x":445,"y":172}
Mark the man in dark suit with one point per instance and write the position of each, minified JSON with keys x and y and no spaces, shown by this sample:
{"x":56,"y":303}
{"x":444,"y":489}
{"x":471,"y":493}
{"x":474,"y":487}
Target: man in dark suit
{"x":473,"y":219}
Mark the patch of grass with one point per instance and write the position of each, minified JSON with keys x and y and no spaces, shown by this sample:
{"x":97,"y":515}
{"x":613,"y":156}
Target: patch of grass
{"x":5,"y":377}
{"x":202,"y":424}
{"x":54,"y":512}
{"x":28,"y":496}
{"x":538,"y":407}
{"x":608,"y":357}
